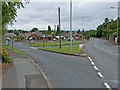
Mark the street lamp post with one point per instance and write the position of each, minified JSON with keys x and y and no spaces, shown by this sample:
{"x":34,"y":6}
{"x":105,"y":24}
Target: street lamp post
{"x":82,"y":23}
{"x":117,"y":21}
{"x":71,"y":26}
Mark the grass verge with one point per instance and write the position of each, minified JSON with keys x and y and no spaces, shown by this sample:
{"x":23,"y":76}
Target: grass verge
{"x":15,"y":50}
{"x":37,"y":44}
{"x":65,"y":49}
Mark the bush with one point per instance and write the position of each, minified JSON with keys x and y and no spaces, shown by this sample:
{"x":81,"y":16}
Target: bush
{"x":5,"y":56}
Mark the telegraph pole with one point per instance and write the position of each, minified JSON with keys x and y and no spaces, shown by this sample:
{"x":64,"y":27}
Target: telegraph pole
{"x":71,"y":25}
{"x":59,"y":27}
{"x":117,"y":21}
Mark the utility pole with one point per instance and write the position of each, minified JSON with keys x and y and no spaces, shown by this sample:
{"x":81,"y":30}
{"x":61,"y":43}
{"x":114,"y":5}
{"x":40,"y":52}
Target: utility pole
{"x":82,"y":23}
{"x":71,"y":25}
{"x":59,"y":27}
{"x":117,"y":20}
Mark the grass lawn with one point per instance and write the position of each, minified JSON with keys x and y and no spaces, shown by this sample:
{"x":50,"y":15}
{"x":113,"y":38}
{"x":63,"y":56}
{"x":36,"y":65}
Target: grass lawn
{"x":15,"y":50}
{"x":37,"y":44}
{"x":64,"y":49}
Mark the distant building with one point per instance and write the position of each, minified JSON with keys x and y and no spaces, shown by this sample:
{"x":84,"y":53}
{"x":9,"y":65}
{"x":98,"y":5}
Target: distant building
{"x":36,"y":36}
{"x":77,"y":36}
{"x":10,"y":35}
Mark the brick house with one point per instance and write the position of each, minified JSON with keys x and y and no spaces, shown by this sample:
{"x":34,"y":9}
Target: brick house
{"x":36,"y":36}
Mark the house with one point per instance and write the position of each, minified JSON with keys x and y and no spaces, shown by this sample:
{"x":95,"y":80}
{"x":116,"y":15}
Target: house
{"x":66,"y":35}
{"x":77,"y":36}
{"x":25,"y":35}
{"x":36,"y":36}
{"x":48,"y":37}
{"x":57,"y":37}
{"x":10,"y":35}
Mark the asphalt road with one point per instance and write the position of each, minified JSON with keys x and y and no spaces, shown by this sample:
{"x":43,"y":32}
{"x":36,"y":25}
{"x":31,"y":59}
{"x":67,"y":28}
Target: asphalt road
{"x":64,"y":71}
{"x":105,"y":57}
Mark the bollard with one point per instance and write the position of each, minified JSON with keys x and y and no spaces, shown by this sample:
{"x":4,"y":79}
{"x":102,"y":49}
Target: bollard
{"x":81,"y":48}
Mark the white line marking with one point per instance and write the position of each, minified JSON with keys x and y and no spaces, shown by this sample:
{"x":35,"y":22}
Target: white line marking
{"x":48,"y":82}
{"x":109,"y":51}
{"x":100,"y":75}
{"x":25,"y":83}
{"x":93,"y":63}
{"x":90,"y":59}
{"x":33,"y":47}
{"x":112,"y":52}
{"x":95,"y":68}
{"x":107,"y":86}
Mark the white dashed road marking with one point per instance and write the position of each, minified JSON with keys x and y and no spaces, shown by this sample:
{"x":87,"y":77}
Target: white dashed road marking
{"x":25,"y":83}
{"x":95,"y":68}
{"x":90,"y":59}
{"x":100,"y":74}
{"x":93,"y":63}
{"x":107,"y":86}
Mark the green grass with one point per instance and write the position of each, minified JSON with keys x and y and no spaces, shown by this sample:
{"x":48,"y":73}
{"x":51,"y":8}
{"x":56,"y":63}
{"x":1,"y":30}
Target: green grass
{"x":64,"y":49}
{"x":37,"y":44}
{"x":15,"y":50}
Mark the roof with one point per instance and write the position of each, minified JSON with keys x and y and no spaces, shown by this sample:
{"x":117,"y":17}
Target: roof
{"x":38,"y":33}
{"x":65,"y":34}
{"x":10,"y":35}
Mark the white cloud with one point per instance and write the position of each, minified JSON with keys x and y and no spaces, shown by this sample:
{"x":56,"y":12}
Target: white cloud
{"x":42,"y":14}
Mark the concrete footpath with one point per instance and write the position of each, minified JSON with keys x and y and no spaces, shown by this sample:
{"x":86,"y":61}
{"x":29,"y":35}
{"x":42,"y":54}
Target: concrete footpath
{"x":22,"y":74}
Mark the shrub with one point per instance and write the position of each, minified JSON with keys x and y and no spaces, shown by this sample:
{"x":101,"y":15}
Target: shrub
{"x":5,"y":56}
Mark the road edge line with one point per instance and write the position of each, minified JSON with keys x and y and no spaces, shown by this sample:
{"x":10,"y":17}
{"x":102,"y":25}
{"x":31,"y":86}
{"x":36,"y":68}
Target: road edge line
{"x":90,"y":59}
{"x":107,"y":86}
{"x":25,"y":82}
{"x":93,"y":63}
{"x":95,"y":68}
{"x":100,"y":75}
{"x":45,"y":77}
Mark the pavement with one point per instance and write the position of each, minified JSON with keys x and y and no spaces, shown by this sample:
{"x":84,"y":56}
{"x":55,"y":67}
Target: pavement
{"x":23,"y":74}
{"x":64,"y":71}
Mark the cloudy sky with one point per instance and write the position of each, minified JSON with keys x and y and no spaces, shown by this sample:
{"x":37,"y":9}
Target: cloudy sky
{"x":87,"y":15}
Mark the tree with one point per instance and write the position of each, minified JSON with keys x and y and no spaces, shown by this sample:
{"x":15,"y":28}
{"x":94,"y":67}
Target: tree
{"x":34,"y":29}
{"x":16,"y":32}
{"x":9,"y":12}
{"x":100,"y":29}
{"x":10,"y":31}
{"x":49,"y":29}
{"x":78,"y":31}
{"x":107,"y":29}
{"x":83,"y":30}
{"x":106,"y":20}
{"x":21,"y":31}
